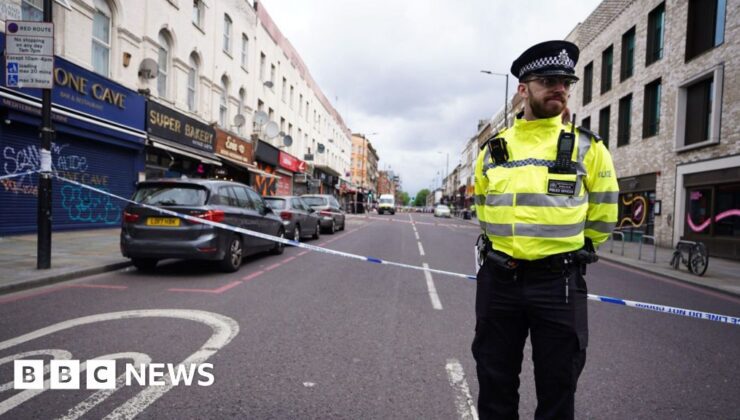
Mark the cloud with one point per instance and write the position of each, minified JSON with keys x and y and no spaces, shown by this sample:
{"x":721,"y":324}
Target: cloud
{"x":410,"y":70}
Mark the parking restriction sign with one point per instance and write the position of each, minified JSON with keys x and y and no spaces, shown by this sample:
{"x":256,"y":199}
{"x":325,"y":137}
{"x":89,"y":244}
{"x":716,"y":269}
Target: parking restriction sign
{"x":29,"y":54}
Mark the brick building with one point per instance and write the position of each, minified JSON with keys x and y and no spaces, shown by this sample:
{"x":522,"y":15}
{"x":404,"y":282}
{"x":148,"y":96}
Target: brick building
{"x":659,"y":84}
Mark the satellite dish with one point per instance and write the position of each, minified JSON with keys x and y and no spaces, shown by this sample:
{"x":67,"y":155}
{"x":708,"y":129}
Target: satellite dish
{"x":331,"y":140}
{"x":272,"y":129}
{"x":268,"y":84}
{"x":260,"y":117}
{"x":239,"y":120}
{"x":281,"y":133}
{"x":320,"y":148}
{"x":287,"y":141}
{"x":148,"y":69}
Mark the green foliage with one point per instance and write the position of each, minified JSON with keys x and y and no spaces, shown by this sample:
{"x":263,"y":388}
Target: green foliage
{"x":421,"y":198}
{"x":405,"y":198}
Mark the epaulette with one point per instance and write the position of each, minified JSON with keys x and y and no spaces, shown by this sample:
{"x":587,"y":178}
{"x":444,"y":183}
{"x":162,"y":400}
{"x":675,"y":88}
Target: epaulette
{"x":589,"y":132}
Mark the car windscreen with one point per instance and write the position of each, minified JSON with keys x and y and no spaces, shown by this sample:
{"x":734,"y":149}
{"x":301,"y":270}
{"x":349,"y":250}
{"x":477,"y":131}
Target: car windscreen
{"x":275,"y":203}
{"x":171,"y":195}
{"x":315,"y":201}
{"x":386,"y":201}
{"x":443,"y":207}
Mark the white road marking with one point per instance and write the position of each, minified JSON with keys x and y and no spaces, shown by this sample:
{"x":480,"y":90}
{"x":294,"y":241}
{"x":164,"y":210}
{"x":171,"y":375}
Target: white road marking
{"x":421,"y":249}
{"x":436,"y":304}
{"x":224,"y":330}
{"x":463,"y":399}
{"x":416,"y":234}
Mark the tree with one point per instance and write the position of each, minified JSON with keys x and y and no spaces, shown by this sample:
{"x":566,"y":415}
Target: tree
{"x":421,"y":198}
{"x":404,"y":198}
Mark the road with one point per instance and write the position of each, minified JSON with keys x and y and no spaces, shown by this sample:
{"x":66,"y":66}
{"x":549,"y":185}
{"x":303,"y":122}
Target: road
{"x":310,"y":335}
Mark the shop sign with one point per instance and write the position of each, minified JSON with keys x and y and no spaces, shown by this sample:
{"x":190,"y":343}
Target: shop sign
{"x":233,"y":147}
{"x":291,"y":162}
{"x":267,"y":153}
{"x":90,"y":93}
{"x":171,"y":125}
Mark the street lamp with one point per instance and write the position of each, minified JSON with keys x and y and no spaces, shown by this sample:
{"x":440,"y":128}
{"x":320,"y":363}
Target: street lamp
{"x":506,"y":95}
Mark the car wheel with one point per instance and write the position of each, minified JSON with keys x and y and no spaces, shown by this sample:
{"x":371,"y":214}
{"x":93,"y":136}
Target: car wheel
{"x":233,"y":256}
{"x":279,"y":246}
{"x":317,"y":232}
{"x":297,"y":233}
{"x":333,"y":228}
{"x":344,"y":221}
{"x":144,"y":264}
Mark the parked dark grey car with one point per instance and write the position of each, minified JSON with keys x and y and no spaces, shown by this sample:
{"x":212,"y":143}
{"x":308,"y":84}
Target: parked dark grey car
{"x":148,"y":236}
{"x":299,"y":219}
{"x":330,"y":212}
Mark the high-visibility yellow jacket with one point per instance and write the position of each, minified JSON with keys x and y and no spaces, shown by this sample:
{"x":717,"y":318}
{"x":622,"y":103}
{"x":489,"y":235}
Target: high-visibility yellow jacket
{"x":514,"y":207}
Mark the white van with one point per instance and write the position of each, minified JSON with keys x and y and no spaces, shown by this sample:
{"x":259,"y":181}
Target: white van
{"x":387,"y":203}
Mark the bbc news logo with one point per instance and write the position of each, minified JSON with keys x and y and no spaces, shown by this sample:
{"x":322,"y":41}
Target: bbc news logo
{"x":101,"y":374}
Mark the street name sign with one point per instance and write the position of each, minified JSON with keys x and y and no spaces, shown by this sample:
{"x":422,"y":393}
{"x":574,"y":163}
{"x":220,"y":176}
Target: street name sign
{"x":29,"y":54}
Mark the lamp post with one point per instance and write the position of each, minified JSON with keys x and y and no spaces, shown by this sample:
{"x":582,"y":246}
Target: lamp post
{"x":506,"y":95}
{"x":447,"y":171}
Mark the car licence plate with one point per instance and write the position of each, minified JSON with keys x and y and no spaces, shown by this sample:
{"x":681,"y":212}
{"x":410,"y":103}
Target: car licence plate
{"x":163,"y":221}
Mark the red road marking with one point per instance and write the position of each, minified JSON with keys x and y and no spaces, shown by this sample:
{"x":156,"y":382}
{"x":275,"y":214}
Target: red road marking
{"x":274,"y":266}
{"x":98,"y":286}
{"x":302,"y":253}
{"x":213,"y":291}
{"x":253,"y":275}
{"x":288,"y":259}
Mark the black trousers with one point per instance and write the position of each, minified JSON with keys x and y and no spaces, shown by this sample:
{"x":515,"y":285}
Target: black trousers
{"x":511,"y":304}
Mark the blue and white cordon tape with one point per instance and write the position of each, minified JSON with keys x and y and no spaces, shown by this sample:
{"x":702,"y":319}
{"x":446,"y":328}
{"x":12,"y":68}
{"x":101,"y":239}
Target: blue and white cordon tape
{"x":634,"y":304}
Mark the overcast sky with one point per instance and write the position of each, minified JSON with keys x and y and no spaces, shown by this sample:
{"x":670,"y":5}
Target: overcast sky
{"x":409,"y":70}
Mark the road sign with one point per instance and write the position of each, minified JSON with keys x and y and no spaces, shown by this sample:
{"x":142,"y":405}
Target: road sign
{"x":29,"y":54}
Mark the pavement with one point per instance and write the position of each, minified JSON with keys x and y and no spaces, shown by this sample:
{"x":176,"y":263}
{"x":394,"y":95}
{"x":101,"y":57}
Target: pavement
{"x":82,"y":253}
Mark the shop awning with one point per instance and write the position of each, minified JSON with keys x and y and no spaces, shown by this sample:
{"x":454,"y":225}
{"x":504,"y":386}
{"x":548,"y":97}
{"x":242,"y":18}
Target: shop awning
{"x":328,"y":170}
{"x":250,"y":167}
{"x":192,"y":154}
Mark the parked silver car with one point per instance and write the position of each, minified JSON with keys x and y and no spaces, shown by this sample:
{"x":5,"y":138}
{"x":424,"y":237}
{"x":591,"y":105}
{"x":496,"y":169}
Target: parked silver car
{"x":299,"y":219}
{"x":148,"y":236}
{"x":330,"y":212}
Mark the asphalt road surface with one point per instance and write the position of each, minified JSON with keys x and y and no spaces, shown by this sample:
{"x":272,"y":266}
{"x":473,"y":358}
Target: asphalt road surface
{"x":310,"y":335}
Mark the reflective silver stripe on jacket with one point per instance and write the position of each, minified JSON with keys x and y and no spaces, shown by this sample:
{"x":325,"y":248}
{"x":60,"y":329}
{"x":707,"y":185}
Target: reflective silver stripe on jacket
{"x":584,"y":143}
{"x":498,"y":229}
{"x":603,"y":227}
{"x":480,"y":200}
{"x":548,"y":231}
{"x":500,"y":200}
{"x":610,"y":197}
{"x":545,"y":200}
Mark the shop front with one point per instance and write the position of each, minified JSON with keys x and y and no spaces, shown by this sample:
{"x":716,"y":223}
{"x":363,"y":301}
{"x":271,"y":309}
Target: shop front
{"x":290,"y":168}
{"x":237,"y":156}
{"x":637,"y":206}
{"x":98,"y":141}
{"x":267,"y":158}
{"x":326,"y":180}
{"x":711,"y":205}
{"x":178,"y":145}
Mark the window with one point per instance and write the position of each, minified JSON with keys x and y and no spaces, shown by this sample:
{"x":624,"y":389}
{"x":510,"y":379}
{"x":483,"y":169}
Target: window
{"x":625,"y":121}
{"x":282,"y":125}
{"x":628,"y":55}
{"x":240,"y":110}
{"x":260,"y":105}
{"x":726,"y":205}
{"x":227,"y":34}
{"x":588,"y":76}
{"x":198,"y":13}
{"x":193,"y":83}
{"x":699,"y":109}
{"x":300,"y":104}
{"x":699,"y":210}
{"x":655,"y":32}
{"x":706,"y":26}
{"x":272,"y":73}
{"x":586,"y":123}
{"x":163,"y":63}
{"x":32,"y":10}
{"x":607,"y":60}
{"x":651,"y":109}
{"x":263,"y":63}
{"x":284,"y":91}
{"x":245,"y":50}
{"x":604,"y":126}
{"x":292,"y":92}
{"x":223,"y":106}
{"x":101,"y":38}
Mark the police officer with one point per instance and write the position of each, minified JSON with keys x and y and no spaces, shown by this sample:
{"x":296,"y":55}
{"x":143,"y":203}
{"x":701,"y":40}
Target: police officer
{"x":546,"y":195}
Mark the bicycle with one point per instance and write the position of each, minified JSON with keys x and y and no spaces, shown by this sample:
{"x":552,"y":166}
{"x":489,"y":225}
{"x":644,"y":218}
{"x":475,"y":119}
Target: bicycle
{"x":697,"y":259}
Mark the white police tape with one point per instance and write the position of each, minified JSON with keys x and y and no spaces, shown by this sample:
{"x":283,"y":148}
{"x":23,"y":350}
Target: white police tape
{"x":606,"y":299}
{"x":17,"y":174}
